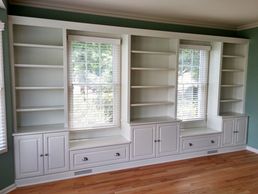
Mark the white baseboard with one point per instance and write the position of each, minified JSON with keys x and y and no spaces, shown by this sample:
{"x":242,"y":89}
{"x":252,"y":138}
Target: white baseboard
{"x":8,"y":189}
{"x":123,"y":165}
{"x":251,"y":149}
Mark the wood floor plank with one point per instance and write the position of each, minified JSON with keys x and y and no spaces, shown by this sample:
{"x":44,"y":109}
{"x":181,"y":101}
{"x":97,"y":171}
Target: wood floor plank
{"x":232,"y":173}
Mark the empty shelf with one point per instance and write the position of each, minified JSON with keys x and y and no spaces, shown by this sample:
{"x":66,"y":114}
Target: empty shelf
{"x":43,"y":108}
{"x":160,"y":86}
{"x":39,"y":88}
{"x":151,"y":69}
{"x":152,"y":120}
{"x":153,"y":52}
{"x":38,"y":45}
{"x":232,"y":70}
{"x":230,"y":100}
{"x":151,"y":103}
{"x":39,"y":66}
{"x":231,"y":85}
{"x":233,"y":56}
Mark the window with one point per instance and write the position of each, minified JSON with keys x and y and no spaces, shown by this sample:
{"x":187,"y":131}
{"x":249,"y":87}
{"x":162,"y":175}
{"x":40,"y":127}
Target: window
{"x":94,"y":82}
{"x":3,"y":138}
{"x":192,"y":83}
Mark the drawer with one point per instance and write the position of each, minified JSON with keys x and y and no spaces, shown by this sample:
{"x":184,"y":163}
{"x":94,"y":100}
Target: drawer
{"x":98,"y":156}
{"x":200,"y":143}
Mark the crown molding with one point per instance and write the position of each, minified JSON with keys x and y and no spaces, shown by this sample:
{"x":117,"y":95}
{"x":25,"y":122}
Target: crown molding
{"x":247,"y":26}
{"x":78,"y":9}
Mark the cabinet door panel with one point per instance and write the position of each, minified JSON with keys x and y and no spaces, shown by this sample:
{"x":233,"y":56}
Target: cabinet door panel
{"x":56,"y":152}
{"x":143,"y":145}
{"x":228,"y":132}
{"x":168,"y":137}
{"x":28,"y":156}
{"x":241,"y":128}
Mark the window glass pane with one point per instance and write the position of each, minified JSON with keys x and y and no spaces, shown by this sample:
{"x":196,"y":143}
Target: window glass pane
{"x":192,"y":84}
{"x":94,"y":98}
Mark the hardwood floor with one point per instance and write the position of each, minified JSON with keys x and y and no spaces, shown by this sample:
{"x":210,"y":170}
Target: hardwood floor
{"x":231,"y":173}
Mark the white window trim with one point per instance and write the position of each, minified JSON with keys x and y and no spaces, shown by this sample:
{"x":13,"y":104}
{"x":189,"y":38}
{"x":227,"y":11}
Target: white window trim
{"x":197,"y":122}
{"x":115,"y":41}
{"x":5,"y":149}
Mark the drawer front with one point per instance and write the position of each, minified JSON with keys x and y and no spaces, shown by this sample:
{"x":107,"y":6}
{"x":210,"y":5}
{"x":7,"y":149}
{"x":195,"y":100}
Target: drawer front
{"x":200,"y":143}
{"x":98,"y":156}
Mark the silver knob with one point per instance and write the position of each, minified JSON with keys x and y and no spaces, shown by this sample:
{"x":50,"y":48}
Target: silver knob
{"x":85,"y":159}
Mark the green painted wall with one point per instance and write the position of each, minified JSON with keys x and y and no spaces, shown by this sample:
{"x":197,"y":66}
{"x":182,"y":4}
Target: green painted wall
{"x":252,"y":86}
{"x":89,"y":18}
{"x":6,"y":159}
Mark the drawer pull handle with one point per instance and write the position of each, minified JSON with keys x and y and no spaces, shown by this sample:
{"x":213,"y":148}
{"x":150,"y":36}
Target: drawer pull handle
{"x":235,"y":131}
{"x":190,"y":144}
{"x":85,"y":159}
{"x":118,"y":154}
{"x":212,"y":141}
{"x":157,"y":140}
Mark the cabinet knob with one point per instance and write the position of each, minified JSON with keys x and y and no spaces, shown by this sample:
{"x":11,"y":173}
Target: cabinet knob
{"x":46,"y":154}
{"x":155,"y":141}
{"x":212,"y":141}
{"x":118,"y":154}
{"x":190,"y":144}
{"x":41,"y":155}
{"x":235,"y":131}
{"x":85,"y":159}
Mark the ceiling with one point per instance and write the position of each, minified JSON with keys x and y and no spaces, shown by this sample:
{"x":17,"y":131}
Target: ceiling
{"x":228,"y":14}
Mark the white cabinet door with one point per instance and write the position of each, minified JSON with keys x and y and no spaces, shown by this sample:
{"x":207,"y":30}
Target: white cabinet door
{"x":143,"y":145}
{"x":28,"y":156}
{"x":168,"y":139}
{"x":228,"y":132}
{"x":56,"y":152}
{"x":240,"y":131}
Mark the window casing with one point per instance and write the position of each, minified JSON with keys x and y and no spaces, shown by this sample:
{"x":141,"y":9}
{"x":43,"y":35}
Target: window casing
{"x":3,"y":130}
{"x":192,"y":83}
{"x":94,"y":82}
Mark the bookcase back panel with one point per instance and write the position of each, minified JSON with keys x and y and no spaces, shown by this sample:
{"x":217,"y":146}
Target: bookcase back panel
{"x":149,"y":78}
{"x":232,"y":78}
{"x":40,"y":56}
{"x":28,"y":98}
{"x":150,"y":60}
{"x":234,"y":49}
{"x":37,"y":77}
{"x":37,"y":35}
{"x":232,"y":93}
{"x":40,"y":118}
{"x":233,"y":63}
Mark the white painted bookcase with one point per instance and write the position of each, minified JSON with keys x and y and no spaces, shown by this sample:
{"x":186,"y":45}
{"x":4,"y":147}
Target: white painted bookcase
{"x":46,"y":149}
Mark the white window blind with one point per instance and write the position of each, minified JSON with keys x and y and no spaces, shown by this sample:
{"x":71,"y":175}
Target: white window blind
{"x":3,"y":138}
{"x":192,"y":83}
{"x":94,"y":82}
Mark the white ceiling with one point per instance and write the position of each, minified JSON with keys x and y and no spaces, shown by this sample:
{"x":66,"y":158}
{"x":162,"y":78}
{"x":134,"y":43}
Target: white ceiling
{"x":230,"y":14}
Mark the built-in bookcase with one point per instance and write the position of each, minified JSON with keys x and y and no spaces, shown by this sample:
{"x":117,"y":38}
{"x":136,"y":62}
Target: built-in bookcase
{"x":153,"y":77}
{"x":38,"y":77}
{"x":233,"y":73}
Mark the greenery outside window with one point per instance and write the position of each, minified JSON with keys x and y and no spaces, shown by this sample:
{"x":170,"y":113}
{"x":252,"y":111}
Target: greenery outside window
{"x":94,"y":82}
{"x":192,"y":83}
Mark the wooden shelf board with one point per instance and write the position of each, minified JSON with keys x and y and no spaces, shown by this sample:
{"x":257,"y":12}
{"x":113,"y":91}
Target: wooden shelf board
{"x":22,"y":130}
{"x":153,"y":120}
{"x":160,"y":86}
{"x":230,"y":100}
{"x":153,"y":52}
{"x":151,"y":69}
{"x":39,"y":66}
{"x":43,"y":108}
{"x":39,"y":88}
{"x":98,"y":142}
{"x":233,"y":56}
{"x":232,"y":70}
{"x":231,"y":85}
{"x":151,"y":103}
{"x":38,"y":45}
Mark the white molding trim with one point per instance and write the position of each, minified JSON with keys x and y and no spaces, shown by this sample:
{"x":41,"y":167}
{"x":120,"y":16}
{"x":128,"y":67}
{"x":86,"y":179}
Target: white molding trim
{"x":70,"y":8}
{"x":8,"y":189}
{"x":123,"y":166}
{"x":251,"y":149}
{"x":248,"y":26}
